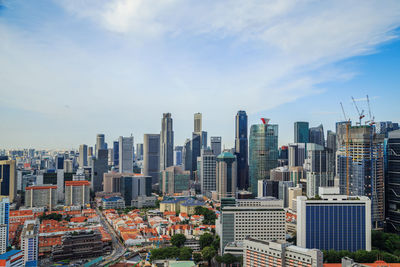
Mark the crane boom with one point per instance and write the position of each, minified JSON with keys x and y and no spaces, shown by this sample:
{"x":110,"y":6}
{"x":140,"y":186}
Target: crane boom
{"x":344,"y":114}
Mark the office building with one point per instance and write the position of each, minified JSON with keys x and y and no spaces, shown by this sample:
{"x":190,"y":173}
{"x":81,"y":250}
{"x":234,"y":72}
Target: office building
{"x":59,"y":161}
{"x":83,"y":154}
{"x":196,"y":149}
{"x":178,"y":156}
{"x":393,"y":182}
{"x":139,"y":152}
{"x":77,"y":193}
{"x":241,"y":150}
{"x":60,"y":184}
{"x":166,"y":142}
{"x":174,"y":180}
{"x":216,"y":144}
{"x":283,"y":191}
{"x":68,"y":166}
{"x":263,"y":219}
{"x":385,"y":127}
{"x":267,"y":188}
{"x":30,"y":242}
{"x":208,"y":172}
{"x":360,"y":168}
{"x":131,"y":186}
{"x":187,"y":155}
{"x":293,"y":193}
{"x":297,"y":154}
{"x":283,"y":159}
{"x":125,"y":154}
{"x":334,"y":222}
{"x":280,"y":174}
{"x":100,"y":166}
{"x":4,"y":223}
{"x":226,"y":176}
{"x":331,"y":154}
{"x":263,"y":152}
{"x":41,"y":196}
{"x":301,"y":132}
{"x":151,"y":156}
{"x":279,"y":254}
{"x":12,"y":258}
{"x":116,"y":154}
{"x":197,"y":122}
{"x":100,"y":142}
{"x":8,"y":179}
{"x":317,"y":135}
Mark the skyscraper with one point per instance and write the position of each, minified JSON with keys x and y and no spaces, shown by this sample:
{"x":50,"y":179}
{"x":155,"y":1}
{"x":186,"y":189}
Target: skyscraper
{"x":82,"y":160}
{"x":263,"y":152}
{"x":151,"y":156}
{"x":139,"y":151}
{"x":360,"y":168}
{"x":241,"y":150}
{"x":187,"y":155}
{"x":297,"y":154}
{"x":116,"y":154}
{"x":166,"y":142}
{"x":301,"y":134}
{"x":317,"y":135}
{"x":208,"y":172}
{"x":195,"y":148}
{"x":226,"y":175}
{"x":174,"y":180}
{"x":8,"y":179}
{"x":4,"y":223}
{"x":216,"y":144}
{"x":100,"y":166}
{"x":393,"y":182}
{"x":178,"y":155}
{"x":197,"y":122}
{"x":100,"y":142}
{"x":125,"y":154}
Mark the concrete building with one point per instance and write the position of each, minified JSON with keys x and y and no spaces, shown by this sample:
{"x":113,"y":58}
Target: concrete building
{"x":8,"y":179}
{"x":216,"y":144}
{"x":393,"y":182}
{"x":4,"y":223}
{"x":83,"y":155}
{"x":151,"y":156}
{"x":334,"y":222}
{"x":41,"y":196}
{"x":208,"y":172}
{"x":241,"y":150}
{"x":301,"y":132}
{"x":226,"y":177}
{"x":263,"y":219}
{"x":297,"y":154}
{"x":68,"y":166}
{"x":166,"y":142}
{"x":294,"y":192}
{"x":279,"y":254}
{"x":114,"y":202}
{"x":280,"y":174}
{"x":174,"y":180}
{"x":30,"y":242}
{"x":125,"y":151}
{"x":77,"y":193}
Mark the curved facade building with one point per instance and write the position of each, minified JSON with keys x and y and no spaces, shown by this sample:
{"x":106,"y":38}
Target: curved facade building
{"x":226,"y":175}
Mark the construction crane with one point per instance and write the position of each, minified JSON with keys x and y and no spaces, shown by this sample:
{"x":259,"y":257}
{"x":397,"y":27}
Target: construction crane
{"x":360,"y":114}
{"x":371,"y":120}
{"x":344,"y":114}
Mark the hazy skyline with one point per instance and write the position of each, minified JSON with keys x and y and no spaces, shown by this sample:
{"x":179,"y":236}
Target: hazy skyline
{"x":72,"y":69}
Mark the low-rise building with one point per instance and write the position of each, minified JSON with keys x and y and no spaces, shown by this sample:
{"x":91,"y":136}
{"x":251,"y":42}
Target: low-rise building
{"x":190,"y":205}
{"x":113,"y":203}
{"x":12,"y":258}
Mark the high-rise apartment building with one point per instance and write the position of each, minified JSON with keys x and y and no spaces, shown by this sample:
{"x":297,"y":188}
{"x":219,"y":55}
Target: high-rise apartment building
{"x":125,"y":154}
{"x":8,"y":179}
{"x":77,"y":193}
{"x":4,"y":223}
{"x":263,"y":152}
{"x":360,"y":168}
{"x":41,"y":196}
{"x":301,"y":132}
{"x":317,"y":135}
{"x":30,"y":242}
{"x":208,"y":172}
{"x":226,"y":175}
{"x":334,"y":222}
{"x":263,"y":219}
{"x":279,"y":254}
{"x":82,"y":160}
{"x":151,"y":156}
{"x":393,"y":182}
{"x":174,"y":180}
{"x":216,"y":144}
{"x":166,"y":142}
{"x":241,"y":150}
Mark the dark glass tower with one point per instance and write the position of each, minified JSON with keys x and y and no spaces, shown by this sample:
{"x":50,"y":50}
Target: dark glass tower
{"x":393,"y":182}
{"x":301,"y":134}
{"x":241,"y":149}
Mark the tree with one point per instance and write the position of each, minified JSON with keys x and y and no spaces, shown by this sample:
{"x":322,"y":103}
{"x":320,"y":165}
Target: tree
{"x":208,"y":253}
{"x":178,"y":240}
{"x":206,"y":240}
{"x":216,"y":243}
{"x":197,"y":257}
{"x":101,"y":208}
{"x":185,"y":254}
{"x":229,"y":259}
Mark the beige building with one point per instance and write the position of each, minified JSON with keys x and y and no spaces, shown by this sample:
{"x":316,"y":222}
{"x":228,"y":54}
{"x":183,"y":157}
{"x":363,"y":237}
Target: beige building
{"x":41,"y":196}
{"x":294,"y":192}
{"x":77,"y":193}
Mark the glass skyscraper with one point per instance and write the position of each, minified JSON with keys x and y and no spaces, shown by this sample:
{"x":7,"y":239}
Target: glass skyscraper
{"x":241,"y":149}
{"x":301,"y":132}
{"x":263,"y":152}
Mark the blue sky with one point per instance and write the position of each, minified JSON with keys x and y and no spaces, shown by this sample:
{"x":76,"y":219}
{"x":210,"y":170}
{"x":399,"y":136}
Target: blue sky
{"x":72,"y":68}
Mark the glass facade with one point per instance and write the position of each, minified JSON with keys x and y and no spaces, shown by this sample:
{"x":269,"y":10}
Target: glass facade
{"x":393,"y":183}
{"x":263,"y":153}
{"x":241,"y":149}
{"x":301,"y":133}
{"x":338,"y":227}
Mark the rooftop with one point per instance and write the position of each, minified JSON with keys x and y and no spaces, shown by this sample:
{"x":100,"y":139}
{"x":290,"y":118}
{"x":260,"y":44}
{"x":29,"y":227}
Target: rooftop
{"x":6,"y":255}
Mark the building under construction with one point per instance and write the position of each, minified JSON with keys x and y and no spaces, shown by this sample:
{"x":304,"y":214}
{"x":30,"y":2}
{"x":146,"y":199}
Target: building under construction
{"x":360,"y":166}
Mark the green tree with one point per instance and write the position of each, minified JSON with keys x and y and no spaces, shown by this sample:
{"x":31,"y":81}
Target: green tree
{"x":101,"y":208}
{"x":208,"y":253}
{"x":206,"y":240}
{"x":229,"y":259}
{"x":197,"y":257}
{"x":185,"y":253}
{"x":216,"y":243}
{"x":178,"y":240}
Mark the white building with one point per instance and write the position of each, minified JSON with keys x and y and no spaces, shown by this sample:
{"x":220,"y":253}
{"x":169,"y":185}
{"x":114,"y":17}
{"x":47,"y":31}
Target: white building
{"x":279,"y":253}
{"x":4,"y":219}
{"x":208,"y":172}
{"x":125,"y":154}
{"x":263,"y":219}
{"x":30,"y":241}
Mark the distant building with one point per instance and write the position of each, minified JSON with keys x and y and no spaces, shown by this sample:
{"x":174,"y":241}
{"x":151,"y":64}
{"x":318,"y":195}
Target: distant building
{"x":41,"y":196}
{"x":334,"y":222}
{"x":187,"y":155}
{"x":190,"y":205}
{"x":208,"y":172}
{"x":151,"y":156}
{"x":216,"y":144}
{"x":293,"y":193}
{"x":82,"y":160}
{"x":279,"y":253}
{"x":301,"y":132}
{"x":385,"y":127}
{"x":226,"y":175}
{"x":30,"y":242}
{"x":393,"y":182}
{"x":268,"y":188}
{"x":100,"y":142}
{"x":178,"y":156}
{"x":197,"y":122}
{"x":174,"y":180}
{"x":4,"y":223}
{"x":263,"y":152}
{"x":116,"y":154}
{"x":297,"y":154}
{"x":280,"y":174}
{"x":8,"y":179}
{"x":114,"y":202}
{"x":125,"y":154}
{"x":139,"y":152}
{"x":241,"y":150}
{"x":100,"y":166}
{"x":166,"y":142}
{"x":195,"y":149}
{"x":317,"y":135}
{"x":77,"y":193}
